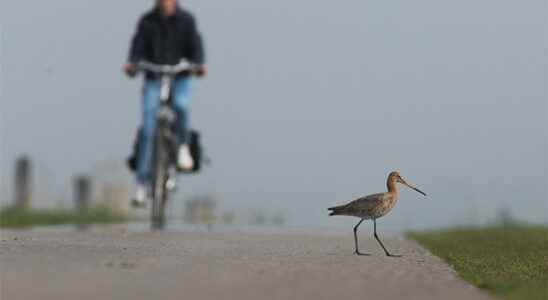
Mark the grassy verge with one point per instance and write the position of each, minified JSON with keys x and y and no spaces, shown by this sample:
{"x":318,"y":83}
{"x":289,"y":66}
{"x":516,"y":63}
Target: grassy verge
{"x":16,"y":218}
{"x":509,"y":261}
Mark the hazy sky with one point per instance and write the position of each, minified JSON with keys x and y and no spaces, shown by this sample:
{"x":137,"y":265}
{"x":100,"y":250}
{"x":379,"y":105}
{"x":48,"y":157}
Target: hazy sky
{"x":309,"y":103}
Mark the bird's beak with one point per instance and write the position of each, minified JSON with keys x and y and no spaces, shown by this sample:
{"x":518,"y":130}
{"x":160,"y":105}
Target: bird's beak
{"x":414,"y":188}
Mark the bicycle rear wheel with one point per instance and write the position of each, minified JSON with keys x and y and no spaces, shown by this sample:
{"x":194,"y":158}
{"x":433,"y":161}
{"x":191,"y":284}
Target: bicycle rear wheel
{"x":161,"y":161}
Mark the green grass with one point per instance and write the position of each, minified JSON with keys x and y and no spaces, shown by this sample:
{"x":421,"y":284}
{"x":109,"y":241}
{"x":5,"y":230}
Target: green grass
{"x":510,"y":261}
{"x":17,"y":218}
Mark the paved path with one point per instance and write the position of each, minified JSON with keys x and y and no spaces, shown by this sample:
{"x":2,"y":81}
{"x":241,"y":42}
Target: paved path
{"x":113,"y":263}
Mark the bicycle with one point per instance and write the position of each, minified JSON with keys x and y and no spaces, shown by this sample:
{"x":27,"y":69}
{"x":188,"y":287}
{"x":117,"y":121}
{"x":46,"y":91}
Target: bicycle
{"x":165,"y":141}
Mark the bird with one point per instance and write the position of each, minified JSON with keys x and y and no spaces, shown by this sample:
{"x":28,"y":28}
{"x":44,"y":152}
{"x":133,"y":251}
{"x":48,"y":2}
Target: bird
{"x":373,"y":207}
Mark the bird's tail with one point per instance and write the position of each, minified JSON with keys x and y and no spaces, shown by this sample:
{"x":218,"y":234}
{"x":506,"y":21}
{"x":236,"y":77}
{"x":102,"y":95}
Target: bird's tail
{"x":337,"y":210}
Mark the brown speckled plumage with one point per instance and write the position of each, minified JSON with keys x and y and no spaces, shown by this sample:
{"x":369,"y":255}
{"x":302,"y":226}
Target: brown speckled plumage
{"x":369,"y":207}
{"x":373,"y":206}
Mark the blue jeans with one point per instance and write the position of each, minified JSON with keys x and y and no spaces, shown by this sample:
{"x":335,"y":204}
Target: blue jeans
{"x":180,"y":92}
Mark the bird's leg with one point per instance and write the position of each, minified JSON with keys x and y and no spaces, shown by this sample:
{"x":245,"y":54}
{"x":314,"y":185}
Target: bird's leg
{"x":357,"y":251}
{"x":379,"y":240}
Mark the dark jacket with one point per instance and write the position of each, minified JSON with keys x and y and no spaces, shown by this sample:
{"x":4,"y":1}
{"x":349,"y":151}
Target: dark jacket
{"x":164,"y":40}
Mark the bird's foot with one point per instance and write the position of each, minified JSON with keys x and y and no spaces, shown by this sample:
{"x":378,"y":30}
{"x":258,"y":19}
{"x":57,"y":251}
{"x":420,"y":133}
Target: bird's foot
{"x":361,"y":254}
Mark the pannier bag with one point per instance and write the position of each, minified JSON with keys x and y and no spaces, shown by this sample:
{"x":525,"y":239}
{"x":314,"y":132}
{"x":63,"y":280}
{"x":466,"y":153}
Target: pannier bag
{"x":196,"y":151}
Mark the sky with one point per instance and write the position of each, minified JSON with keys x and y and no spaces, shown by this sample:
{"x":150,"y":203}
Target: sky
{"x":309,"y":104}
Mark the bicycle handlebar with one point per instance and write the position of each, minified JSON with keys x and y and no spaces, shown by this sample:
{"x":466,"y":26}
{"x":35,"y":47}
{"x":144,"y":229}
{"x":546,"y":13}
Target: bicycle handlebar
{"x":183,"y":66}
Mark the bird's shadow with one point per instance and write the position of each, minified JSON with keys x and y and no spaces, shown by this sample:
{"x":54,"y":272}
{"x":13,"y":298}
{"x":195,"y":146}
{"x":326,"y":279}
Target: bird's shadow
{"x":369,"y":254}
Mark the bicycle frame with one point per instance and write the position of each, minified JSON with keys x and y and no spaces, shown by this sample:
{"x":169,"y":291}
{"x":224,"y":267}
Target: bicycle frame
{"x":165,"y":114}
{"x":165,"y":88}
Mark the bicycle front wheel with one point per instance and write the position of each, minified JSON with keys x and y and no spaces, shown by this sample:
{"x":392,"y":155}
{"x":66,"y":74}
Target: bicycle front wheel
{"x":161,"y":161}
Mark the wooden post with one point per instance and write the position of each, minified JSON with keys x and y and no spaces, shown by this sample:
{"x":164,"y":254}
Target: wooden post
{"x":23,"y":170}
{"x":82,"y":192}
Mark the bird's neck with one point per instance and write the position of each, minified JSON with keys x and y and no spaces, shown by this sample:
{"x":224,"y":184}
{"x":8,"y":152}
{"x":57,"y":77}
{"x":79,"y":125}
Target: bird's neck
{"x":393,"y":188}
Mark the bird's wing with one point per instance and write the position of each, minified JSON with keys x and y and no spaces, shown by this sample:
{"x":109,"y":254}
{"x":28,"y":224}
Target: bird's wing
{"x":367,"y":202}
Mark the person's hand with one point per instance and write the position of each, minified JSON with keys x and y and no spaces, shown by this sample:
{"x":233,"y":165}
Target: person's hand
{"x":200,"y":71}
{"x":130,"y":69}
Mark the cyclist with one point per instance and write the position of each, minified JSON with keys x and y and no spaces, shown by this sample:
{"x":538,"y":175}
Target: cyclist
{"x":165,"y":35}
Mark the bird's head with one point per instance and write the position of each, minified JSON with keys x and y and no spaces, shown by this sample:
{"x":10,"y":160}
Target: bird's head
{"x":396,"y":178}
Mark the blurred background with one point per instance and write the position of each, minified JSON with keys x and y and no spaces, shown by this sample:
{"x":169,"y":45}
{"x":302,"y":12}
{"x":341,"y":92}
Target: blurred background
{"x":308,"y":104}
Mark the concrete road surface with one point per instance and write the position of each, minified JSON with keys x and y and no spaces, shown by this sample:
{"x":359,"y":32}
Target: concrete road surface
{"x":114,"y":263}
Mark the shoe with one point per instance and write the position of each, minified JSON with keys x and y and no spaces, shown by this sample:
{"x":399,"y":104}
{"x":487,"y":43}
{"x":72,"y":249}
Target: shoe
{"x":171,"y":183}
{"x":141,"y":197}
{"x":184,"y":159}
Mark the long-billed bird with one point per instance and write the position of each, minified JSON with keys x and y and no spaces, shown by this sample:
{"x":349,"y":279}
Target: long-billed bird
{"x":373,"y":207}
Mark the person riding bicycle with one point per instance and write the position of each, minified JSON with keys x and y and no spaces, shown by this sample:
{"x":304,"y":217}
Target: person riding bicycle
{"x":165,"y":35}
